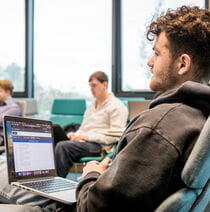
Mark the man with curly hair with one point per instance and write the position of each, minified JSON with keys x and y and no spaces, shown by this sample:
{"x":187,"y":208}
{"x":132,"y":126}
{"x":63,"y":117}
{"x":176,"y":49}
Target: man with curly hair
{"x":155,"y":146}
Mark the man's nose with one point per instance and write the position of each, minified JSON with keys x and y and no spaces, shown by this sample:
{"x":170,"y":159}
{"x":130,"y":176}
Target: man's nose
{"x":150,"y":62}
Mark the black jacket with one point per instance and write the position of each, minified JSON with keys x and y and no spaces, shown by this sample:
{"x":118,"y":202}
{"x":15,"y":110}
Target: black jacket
{"x":151,"y":154}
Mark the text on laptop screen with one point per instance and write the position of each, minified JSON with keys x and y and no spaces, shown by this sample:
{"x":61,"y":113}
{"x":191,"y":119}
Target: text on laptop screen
{"x":32,"y":148}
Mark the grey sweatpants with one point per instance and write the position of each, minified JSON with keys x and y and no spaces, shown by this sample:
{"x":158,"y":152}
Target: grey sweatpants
{"x":23,"y":200}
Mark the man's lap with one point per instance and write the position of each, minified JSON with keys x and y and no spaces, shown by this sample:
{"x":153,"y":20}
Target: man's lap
{"x":13,"y":195}
{"x":79,"y":149}
{"x":87,"y":146}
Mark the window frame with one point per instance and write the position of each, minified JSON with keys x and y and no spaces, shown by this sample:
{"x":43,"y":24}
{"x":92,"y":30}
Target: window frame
{"x":29,"y":34}
{"x":117,"y":56}
{"x":116,"y":53}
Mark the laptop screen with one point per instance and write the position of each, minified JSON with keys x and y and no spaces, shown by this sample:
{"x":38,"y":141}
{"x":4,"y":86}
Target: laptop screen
{"x":29,"y":145}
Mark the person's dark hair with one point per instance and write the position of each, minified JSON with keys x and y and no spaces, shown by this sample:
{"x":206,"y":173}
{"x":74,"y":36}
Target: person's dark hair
{"x":188,"y":31}
{"x":7,"y":86}
{"x":100,"y":76}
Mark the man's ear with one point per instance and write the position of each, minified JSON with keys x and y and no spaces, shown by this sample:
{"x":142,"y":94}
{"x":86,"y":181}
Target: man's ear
{"x":105,"y":84}
{"x":7,"y":92}
{"x":184,"y":64}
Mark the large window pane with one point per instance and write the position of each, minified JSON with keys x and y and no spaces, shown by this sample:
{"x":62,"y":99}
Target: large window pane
{"x":136,"y":50}
{"x":72,"y":40}
{"x":12,"y":42}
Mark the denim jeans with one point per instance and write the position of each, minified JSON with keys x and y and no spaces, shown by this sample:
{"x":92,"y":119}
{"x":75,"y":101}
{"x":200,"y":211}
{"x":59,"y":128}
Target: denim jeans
{"x":68,"y":152}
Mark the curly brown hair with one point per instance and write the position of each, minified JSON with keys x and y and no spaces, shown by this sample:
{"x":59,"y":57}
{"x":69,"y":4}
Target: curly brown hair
{"x":188,"y":31}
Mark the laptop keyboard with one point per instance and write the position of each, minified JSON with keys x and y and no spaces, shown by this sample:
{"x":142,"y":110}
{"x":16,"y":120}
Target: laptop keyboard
{"x":51,"y":185}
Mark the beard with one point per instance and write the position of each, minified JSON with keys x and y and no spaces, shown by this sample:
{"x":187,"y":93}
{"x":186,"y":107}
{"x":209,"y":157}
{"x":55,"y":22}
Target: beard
{"x":165,"y":80}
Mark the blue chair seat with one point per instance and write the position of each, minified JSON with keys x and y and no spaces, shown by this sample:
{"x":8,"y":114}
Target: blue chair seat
{"x":196,"y":175}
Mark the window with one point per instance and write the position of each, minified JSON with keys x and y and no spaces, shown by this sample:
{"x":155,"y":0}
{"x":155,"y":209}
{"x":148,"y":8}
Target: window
{"x":12,"y":43}
{"x":132,"y":72}
{"x":72,"y":40}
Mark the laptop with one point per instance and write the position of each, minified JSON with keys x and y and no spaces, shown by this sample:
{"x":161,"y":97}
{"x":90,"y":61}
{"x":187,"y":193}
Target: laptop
{"x":137,"y":106}
{"x":30,"y":159}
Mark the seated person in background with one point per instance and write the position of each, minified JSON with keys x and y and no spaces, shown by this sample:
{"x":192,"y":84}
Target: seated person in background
{"x":60,"y":133}
{"x":7,"y":104}
{"x":106,"y":112}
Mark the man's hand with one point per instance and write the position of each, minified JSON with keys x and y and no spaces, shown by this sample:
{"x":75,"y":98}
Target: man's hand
{"x":96,"y":166}
{"x":74,"y":137}
{"x":82,"y":138}
{"x":70,"y":135}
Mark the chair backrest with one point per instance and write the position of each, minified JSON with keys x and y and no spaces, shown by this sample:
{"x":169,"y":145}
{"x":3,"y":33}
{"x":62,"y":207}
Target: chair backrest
{"x":196,"y":176}
{"x":67,"y":111}
{"x":68,"y":106}
{"x":126,"y":99}
{"x":31,"y":106}
{"x":22,"y":106}
{"x":136,"y":107}
{"x":28,"y":106}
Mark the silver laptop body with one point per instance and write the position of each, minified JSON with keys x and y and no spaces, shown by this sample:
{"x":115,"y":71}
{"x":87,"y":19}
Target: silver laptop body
{"x":30,"y":159}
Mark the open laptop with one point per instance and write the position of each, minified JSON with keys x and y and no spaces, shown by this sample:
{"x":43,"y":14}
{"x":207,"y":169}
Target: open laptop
{"x":30,"y":159}
{"x":137,"y":106}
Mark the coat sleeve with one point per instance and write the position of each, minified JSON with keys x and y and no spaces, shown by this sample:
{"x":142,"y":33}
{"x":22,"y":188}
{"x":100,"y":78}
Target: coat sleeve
{"x":138,"y":177}
{"x":10,"y":110}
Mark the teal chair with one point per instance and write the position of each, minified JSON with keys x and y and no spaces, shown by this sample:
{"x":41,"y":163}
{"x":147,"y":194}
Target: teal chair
{"x":67,"y":111}
{"x":99,"y":158}
{"x":196,"y":175}
{"x":85,"y":160}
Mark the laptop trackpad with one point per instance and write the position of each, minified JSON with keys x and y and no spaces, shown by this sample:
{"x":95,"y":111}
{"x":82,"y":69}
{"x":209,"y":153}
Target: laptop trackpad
{"x":66,"y":196}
